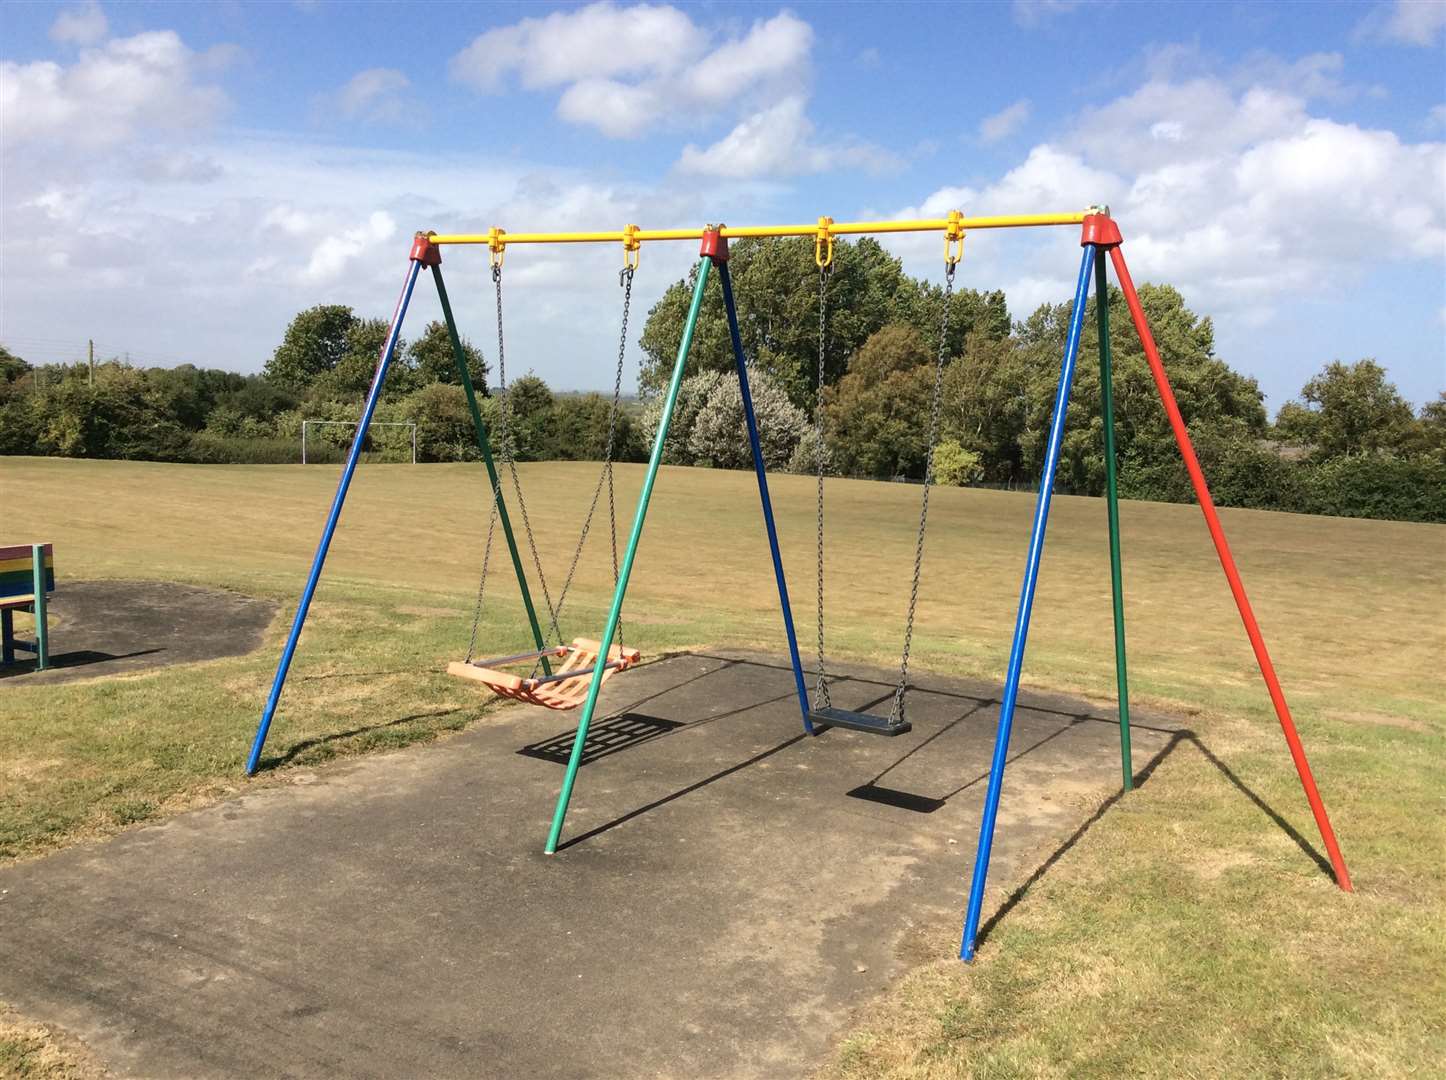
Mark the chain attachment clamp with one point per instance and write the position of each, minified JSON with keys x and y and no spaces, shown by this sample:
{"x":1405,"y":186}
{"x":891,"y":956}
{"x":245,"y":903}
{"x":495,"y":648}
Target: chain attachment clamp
{"x":953,"y":240}
{"x":823,"y":243}
{"x":496,"y":246}
{"x":631,"y":247}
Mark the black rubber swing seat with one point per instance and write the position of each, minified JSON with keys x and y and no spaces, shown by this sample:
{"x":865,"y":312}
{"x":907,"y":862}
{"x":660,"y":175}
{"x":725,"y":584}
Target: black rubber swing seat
{"x":859,"y":721}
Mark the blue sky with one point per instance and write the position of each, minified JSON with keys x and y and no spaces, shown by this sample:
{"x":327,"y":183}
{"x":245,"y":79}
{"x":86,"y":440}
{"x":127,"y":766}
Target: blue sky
{"x":179,"y":179}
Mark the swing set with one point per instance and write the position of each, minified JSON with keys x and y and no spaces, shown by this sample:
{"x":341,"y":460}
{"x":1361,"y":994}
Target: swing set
{"x":567,"y":675}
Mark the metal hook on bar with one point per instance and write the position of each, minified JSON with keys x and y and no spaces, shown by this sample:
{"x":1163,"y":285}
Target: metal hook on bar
{"x":631,"y":247}
{"x":823,"y":243}
{"x":953,"y":239}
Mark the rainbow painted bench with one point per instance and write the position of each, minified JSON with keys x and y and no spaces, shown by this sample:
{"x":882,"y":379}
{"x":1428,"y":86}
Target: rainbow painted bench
{"x":27,"y":575}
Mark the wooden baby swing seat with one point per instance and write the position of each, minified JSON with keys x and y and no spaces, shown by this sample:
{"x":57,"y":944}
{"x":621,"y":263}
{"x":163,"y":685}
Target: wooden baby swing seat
{"x":565,"y":688}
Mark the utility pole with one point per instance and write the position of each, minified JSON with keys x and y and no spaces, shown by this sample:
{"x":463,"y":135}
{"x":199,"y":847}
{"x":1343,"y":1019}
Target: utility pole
{"x":91,"y":344}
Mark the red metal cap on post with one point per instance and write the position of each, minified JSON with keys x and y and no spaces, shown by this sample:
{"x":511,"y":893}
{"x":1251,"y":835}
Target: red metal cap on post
{"x":424,"y":251}
{"x":715,"y":244}
{"x":1100,"y":229}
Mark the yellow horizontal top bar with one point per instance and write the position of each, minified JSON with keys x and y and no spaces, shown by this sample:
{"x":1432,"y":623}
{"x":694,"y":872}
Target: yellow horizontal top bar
{"x":838,"y":228}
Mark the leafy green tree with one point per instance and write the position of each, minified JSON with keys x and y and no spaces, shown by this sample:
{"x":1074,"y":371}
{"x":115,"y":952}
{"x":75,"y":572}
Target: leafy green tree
{"x":775,"y":285}
{"x":1376,"y":486}
{"x":114,"y":417}
{"x":954,"y":466}
{"x":351,"y":377}
{"x":693,"y":393}
{"x":444,"y":423}
{"x":251,"y":409}
{"x":1431,"y":429}
{"x":529,"y":405}
{"x":1216,"y":401}
{"x":776,"y":288}
{"x":876,"y":416}
{"x":187,"y":393}
{"x":719,"y":435}
{"x":991,"y":404}
{"x":580,"y":430}
{"x":432,"y":361}
{"x":11,"y":366}
{"x":315,"y":342}
{"x":1348,"y":409}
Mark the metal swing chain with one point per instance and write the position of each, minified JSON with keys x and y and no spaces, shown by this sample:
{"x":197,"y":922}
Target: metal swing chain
{"x":625,"y":279}
{"x":482,"y":582}
{"x":821,"y":684}
{"x":509,"y":458}
{"x":504,"y":446}
{"x":896,"y":711}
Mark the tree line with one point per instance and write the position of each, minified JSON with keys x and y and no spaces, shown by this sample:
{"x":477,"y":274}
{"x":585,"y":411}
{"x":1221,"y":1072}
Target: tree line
{"x":1350,"y":445}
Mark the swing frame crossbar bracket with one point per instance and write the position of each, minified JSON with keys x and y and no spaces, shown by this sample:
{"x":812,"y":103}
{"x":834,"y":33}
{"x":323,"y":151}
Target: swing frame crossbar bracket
{"x":425,"y":250}
{"x":1100,"y":230}
{"x":714,"y":245}
{"x":869,"y":723}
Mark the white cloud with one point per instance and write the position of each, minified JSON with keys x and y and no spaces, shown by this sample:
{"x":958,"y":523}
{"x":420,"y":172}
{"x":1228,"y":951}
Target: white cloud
{"x":598,"y":41}
{"x":1030,"y":13}
{"x":1407,"y":22}
{"x":623,"y":70}
{"x":1436,"y":118}
{"x":1239,"y":196}
{"x":376,"y":95}
{"x":302,"y":222}
{"x":630,"y":71}
{"x":109,"y":93}
{"x":83,"y":25}
{"x":618,"y":110}
{"x":333,"y":254}
{"x":1005,"y":122}
{"x":779,"y":141}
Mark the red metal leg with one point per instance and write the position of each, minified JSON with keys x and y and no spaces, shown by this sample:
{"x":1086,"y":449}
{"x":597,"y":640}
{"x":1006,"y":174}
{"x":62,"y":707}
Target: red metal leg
{"x":1227,"y":562}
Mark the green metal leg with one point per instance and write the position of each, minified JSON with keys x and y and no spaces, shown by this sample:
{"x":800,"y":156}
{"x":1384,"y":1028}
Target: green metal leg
{"x":610,"y":630}
{"x":484,"y":444}
{"x":1112,"y":500}
{"x":42,"y":629}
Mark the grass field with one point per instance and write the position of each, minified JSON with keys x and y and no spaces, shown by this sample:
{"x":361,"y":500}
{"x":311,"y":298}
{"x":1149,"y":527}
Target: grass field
{"x":1185,"y":932}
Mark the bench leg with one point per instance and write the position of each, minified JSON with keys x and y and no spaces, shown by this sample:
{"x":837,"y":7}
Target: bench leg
{"x":7,"y":636}
{"x":42,"y":621}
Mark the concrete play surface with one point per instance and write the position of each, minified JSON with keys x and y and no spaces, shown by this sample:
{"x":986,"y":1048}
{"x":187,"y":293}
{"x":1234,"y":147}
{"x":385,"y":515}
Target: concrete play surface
{"x":100,"y":628}
{"x":730,"y":893}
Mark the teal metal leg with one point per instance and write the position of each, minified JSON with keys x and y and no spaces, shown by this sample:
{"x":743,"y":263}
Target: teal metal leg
{"x":1112,"y":500}
{"x":610,"y":630}
{"x":485,"y":445}
{"x":42,"y":628}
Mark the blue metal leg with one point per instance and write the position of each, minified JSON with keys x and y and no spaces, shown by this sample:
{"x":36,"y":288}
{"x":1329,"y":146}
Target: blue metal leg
{"x":748,"y":415}
{"x":331,"y":519}
{"x":1026,"y":601}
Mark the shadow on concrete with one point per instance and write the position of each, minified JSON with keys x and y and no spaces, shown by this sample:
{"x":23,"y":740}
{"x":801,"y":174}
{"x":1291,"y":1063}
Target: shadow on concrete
{"x":917,"y":802}
{"x":101,"y":628}
{"x":74,"y":659}
{"x":612,"y":735}
{"x":681,"y":792}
